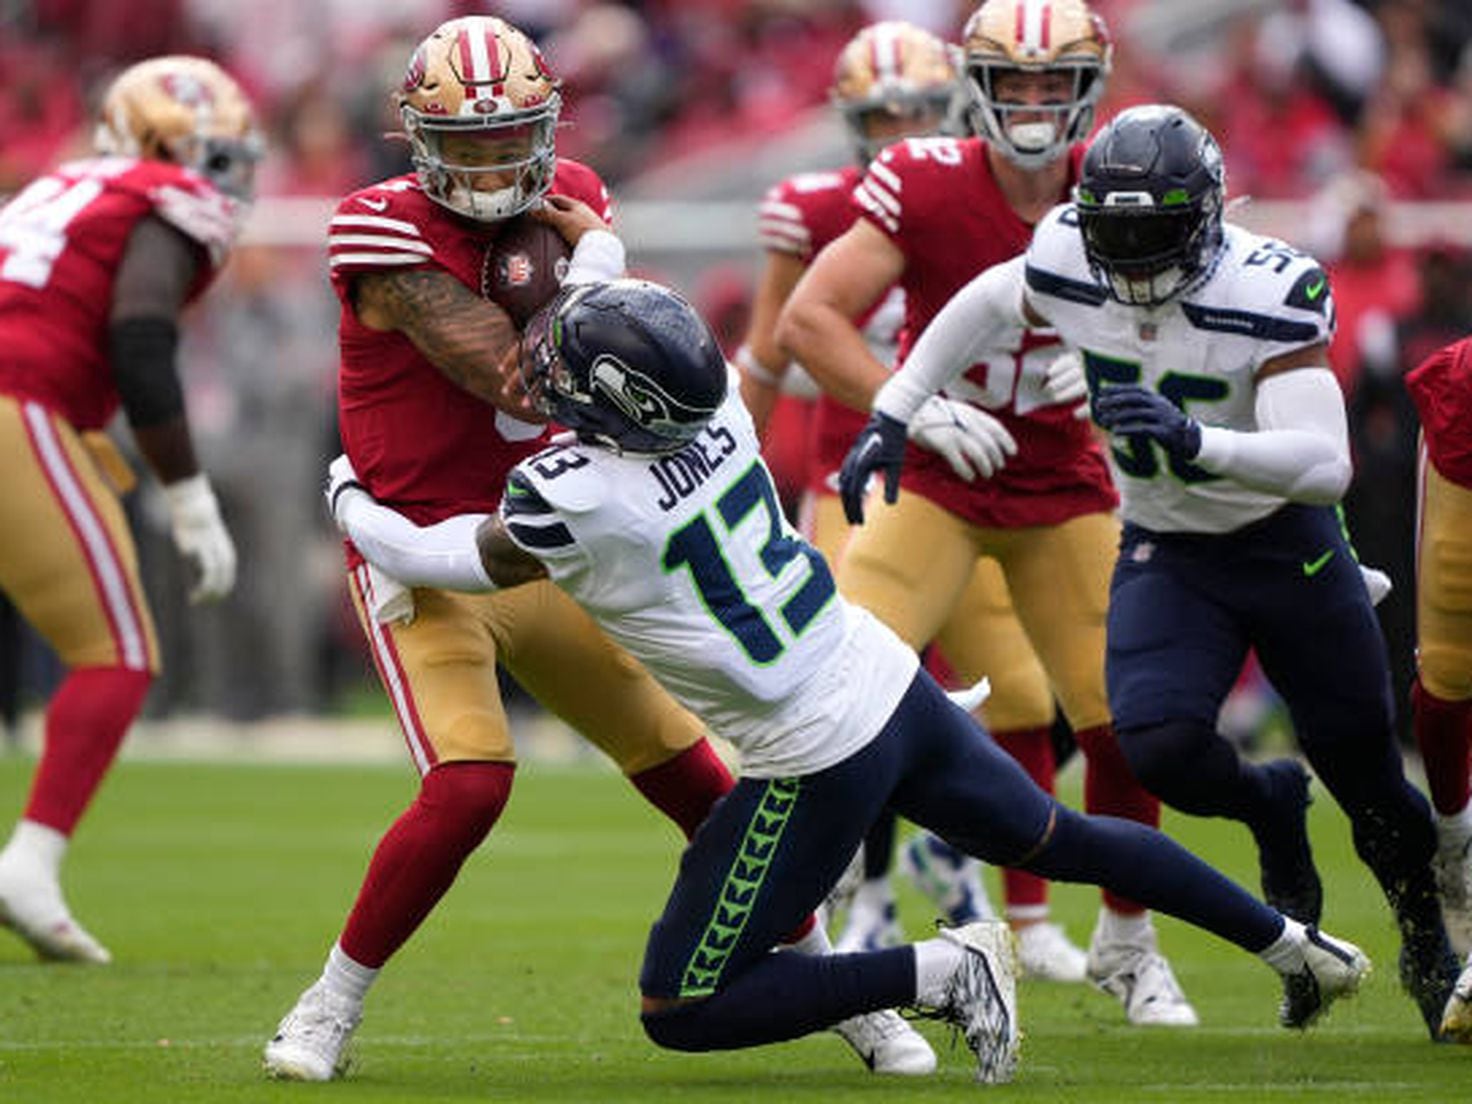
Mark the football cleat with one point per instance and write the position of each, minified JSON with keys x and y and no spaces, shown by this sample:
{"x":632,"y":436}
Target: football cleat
{"x":981,"y":998}
{"x":1453,"y":868}
{"x":1137,"y":974}
{"x":1456,"y":1018}
{"x":1332,"y":968}
{"x":950,"y":878}
{"x":1290,"y":882}
{"x":888,"y":1044}
{"x":872,"y":923}
{"x":31,"y":905}
{"x":1428,"y":966}
{"x":312,"y":1042}
{"x":1044,"y":952}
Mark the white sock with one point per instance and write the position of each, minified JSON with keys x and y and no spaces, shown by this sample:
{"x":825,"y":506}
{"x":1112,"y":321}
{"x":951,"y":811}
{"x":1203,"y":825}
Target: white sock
{"x":37,"y":845}
{"x":1454,"y":829}
{"x":1123,"y":927}
{"x":816,"y":942}
{"x":343,"y":975}
{"x":1285,"y":954}
{"x":935,"y":961}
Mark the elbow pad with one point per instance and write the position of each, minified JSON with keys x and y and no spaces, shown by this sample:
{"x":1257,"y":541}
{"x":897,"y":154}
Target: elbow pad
{"x":141,"y":351}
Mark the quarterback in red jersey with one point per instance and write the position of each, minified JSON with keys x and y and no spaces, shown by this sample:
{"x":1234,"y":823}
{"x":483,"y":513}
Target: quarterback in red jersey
{"x":935,"y":212}
{"x":431,"y":426}
{"x":1441,"y":697}
{"x":97,"y":259}
{"x":894,"y":81}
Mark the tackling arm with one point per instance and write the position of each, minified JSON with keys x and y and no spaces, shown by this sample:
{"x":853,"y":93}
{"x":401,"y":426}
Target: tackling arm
{"x":1301,"y":447}
{"x":817,"y":329}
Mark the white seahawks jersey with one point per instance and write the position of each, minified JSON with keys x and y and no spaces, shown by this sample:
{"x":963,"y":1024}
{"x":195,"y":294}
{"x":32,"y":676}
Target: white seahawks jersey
{"x":1202,"y":351}
{"x":687,"y":561}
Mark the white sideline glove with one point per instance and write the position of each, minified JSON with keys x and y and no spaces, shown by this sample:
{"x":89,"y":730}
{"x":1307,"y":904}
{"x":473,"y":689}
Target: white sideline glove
{"x":971,"y":441}
{"x":1064,"y":382}
{"x":1377,"y":583}
{"x":201,"y":537}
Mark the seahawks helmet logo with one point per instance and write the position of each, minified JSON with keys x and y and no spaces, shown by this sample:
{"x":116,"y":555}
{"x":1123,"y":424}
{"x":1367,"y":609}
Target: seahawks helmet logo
{"x":640,"y":399}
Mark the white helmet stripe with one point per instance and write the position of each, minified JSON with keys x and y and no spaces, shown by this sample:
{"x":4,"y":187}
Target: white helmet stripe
{"x":1033,"y":26}
{"x":480,"y":50}
{"x":886,"y":47}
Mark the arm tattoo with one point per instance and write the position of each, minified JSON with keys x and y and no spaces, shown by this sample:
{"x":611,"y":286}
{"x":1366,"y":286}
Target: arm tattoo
{"x":506,"y":562}
{"x":464,"y":336}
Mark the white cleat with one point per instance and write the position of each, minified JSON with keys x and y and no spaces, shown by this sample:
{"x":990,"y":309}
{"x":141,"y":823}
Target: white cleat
{"x":311,"y":1043}
{"x":1044,"y":952}
{"x":1139,"y":976}
{"x":1332,"y":968}
{"x":1456,"y":1020}
{"x":981,"y":1000}
{"x":31,"y":905}
{"x":872,"y":923}
{"x":1452,"y":865}
{"x":888,"y":1044}
{"x":950,"y":878}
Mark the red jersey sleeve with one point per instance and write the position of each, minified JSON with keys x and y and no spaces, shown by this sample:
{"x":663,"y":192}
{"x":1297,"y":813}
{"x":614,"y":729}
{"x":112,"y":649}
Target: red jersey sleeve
{"x":802,"y":214}
{"x":1441,"y":388}
{"x":378,"y":228}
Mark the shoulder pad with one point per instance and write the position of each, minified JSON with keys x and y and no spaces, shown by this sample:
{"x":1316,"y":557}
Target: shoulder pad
{"x":563,"y":480}
{"x":1056,"y":262}
{"x":379,"y":228}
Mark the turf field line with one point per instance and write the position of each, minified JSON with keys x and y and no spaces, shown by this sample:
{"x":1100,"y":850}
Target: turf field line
{"x":259,"y":1040}
{"x":1260,"y":1089}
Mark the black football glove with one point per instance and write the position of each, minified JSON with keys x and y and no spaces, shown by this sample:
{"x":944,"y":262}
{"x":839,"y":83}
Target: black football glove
{"x":881,"y":444}
{"x":1126,"y":410}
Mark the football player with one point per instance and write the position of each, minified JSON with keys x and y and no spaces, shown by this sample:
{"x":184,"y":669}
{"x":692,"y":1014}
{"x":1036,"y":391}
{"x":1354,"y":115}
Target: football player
{"x":1441,"y":698}
{"x":97,"y":259}
{"x":1204,"y":348}
{"x":428,"y":421}
{"x":660,"y":518}
{"x":892,"y":80}
{"x":933,"y":213}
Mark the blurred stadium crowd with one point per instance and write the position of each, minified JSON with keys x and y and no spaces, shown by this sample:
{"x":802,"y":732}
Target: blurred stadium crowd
{"x":1350,"y":110}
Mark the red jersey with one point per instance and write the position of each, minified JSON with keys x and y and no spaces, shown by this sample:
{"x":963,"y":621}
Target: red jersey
{"x":61,"y":242}
{"x":937,"y":200}
{"x":1441,"y":388}
{"x":799,"y":216}
{"x":417,"y":441}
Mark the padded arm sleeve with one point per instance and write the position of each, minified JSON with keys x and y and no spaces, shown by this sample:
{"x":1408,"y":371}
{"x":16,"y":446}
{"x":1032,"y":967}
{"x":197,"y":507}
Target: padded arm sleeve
{"x":598,"y":256}
{"x":445,"y":556}
{"x":1301,"y":447}
{"x":141,"y":351}
{"x":983,"y":316}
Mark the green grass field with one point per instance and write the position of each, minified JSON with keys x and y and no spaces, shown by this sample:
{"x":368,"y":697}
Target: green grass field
{"x":219,"y":888}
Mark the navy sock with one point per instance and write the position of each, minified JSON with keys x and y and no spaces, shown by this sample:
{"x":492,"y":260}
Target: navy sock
{"x":784,"y":996}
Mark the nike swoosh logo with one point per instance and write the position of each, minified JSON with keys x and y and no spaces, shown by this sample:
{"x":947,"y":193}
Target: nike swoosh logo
{"x":1313,"y":567}
{"x":373,"y":204}
{"x":1313,"y":291}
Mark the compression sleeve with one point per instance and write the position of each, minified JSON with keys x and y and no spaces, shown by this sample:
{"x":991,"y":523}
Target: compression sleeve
{"x":141,"y":351}
{"x":445,"y":556}
{"x":1301,"y":447}
{"x":982,"y":317}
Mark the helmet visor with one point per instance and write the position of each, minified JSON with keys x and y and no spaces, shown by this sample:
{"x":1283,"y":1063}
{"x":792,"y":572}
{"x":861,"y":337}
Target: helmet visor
{"x":1138,"y":241}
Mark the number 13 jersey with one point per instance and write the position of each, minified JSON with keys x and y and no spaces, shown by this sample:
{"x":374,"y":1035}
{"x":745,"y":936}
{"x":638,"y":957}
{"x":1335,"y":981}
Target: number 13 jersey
{"x":687,"y":562}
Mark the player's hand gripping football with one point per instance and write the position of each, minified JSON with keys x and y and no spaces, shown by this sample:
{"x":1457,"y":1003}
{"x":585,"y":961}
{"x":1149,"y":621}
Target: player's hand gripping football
{"x":201,"y":537}
{"x":1127,"y":410}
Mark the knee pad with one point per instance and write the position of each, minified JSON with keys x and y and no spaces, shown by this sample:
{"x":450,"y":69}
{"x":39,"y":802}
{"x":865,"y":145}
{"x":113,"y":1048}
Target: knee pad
{"x":1446,"y":669}
{"x":1160,"y":754}
{"x":675,"y":1028}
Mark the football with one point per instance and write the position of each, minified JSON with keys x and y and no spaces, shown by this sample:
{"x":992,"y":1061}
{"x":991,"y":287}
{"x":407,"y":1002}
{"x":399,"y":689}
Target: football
{"x":524,"y":267}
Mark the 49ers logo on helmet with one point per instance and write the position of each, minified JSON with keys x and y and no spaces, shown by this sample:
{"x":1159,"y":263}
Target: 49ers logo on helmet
{"x":187,"y":89}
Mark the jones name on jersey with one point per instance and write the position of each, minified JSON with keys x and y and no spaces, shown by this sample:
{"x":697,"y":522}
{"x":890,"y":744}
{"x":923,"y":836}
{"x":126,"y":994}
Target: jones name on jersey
{"x":1202,"y":350}
{"x":657,"y":549}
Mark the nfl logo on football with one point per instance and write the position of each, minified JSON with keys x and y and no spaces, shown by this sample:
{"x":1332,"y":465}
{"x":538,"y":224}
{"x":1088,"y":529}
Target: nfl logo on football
{"x":516,"y":270}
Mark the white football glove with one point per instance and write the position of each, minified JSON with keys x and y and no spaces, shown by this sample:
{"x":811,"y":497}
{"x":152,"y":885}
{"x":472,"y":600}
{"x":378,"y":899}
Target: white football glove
{"x":1064,"y":382}
{"x":201,"y":537}
{"x":341,"y":478}
{"x":972,"y":442}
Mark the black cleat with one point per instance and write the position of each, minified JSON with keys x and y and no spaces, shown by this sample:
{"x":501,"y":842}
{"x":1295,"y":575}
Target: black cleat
{"x":1428,"y":969}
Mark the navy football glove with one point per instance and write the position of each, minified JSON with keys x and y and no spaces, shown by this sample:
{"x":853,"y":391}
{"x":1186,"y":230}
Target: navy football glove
{"x":1130,"y":411}
{"x":881,"y":444}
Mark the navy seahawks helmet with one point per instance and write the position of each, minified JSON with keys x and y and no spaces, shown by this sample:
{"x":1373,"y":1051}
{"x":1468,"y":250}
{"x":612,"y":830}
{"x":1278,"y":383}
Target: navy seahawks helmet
{"x":625,"y":364}
{"x":1149,"y":201}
